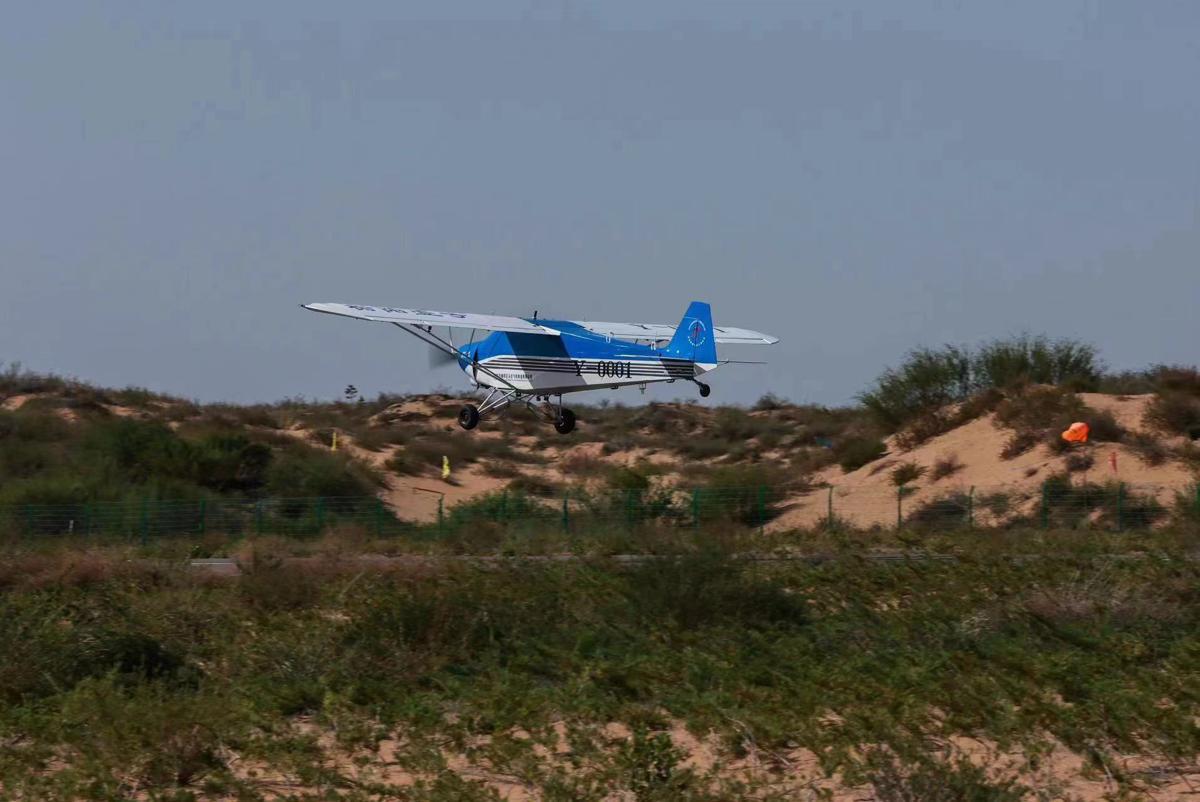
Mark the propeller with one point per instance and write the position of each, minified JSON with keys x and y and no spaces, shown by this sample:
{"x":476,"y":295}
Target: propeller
{"x":440,"y":359}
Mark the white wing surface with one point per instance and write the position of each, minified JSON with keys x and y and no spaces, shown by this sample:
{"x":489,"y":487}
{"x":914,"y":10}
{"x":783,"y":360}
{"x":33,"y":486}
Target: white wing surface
{"x":428,"y":317}
{"x":665,"y":331}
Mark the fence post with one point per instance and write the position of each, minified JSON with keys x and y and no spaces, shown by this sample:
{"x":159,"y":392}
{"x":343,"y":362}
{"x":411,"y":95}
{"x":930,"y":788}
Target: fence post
{"x":762,"y":509}
{"x":566,"y":514}
{"x":1120,"y":506}
{"x":203,"y":517}
{"x":441,"y":514}
{"x":899,"y":506}
{"x":145,"y":520}
{"x":1045,"y":505}
{"x":971,"y":508}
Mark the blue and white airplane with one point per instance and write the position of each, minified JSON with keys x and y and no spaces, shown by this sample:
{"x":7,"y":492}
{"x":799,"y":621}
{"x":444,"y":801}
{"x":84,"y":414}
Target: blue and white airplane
{"x":532,"y":359}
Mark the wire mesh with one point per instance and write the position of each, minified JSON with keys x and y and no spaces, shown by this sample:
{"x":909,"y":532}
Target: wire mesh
{"x":1057,"y":503}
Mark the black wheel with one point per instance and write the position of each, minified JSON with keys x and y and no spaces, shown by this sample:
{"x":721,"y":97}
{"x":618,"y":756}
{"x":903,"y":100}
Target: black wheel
{"x":705,"y":390}
{"x":468,"y":417}
{"x":565,"y":422}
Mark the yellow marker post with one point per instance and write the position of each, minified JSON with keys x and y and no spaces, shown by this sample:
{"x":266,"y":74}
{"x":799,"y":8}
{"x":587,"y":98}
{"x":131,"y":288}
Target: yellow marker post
{"x":445,"y":468}
{"x":334,"y":446}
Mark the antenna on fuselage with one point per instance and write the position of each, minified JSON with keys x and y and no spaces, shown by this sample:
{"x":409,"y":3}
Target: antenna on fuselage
{"x":535,"y":314}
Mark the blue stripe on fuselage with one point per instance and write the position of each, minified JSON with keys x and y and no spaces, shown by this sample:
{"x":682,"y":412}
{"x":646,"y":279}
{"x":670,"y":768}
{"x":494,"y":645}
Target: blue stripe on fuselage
{"x":576,"y":342}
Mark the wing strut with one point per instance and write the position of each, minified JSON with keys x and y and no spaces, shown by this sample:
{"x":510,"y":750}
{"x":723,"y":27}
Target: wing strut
{"x":426,"y":335}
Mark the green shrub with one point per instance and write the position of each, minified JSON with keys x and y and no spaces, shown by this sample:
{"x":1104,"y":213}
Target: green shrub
{"x":930,"y":379}
{"x":316,"y":473}
{"x":624,"y":478}
{"x":1175,"y":413}
{"x":1148,"y":448}
{"x":1103,"y":426}
{"x":945,"y":466}
{"x":906,"y":473}
{"x":856,"y":452}
{"x":926,"y":380}
{"x":1023,"y":360}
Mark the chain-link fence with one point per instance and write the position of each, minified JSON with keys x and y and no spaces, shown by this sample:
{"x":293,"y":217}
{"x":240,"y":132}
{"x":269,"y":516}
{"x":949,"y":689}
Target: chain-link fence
{"x":1057,"y":503}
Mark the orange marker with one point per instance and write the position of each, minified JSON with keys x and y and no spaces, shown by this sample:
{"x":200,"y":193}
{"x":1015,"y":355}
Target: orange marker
{"x":1077,"y":433}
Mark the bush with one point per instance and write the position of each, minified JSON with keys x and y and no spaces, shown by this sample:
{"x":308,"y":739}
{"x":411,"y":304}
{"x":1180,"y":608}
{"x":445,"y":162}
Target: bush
{"x":948,"y":512}
{"x":907,"y":473}
{"x":945,"y":466}
{"x":856,"y":452}
{"x":1175,"y":413}
{"x":1040,"y":409}
{"x":930,"y":379}
{"x":624,"y":478}
{"x":1019,"y":443}
{"x":318,"y":474}
{"x":1027,"y":360}
{"x":1079,"y":462}
{"x":927,"y":380}
{"x":1103,"y":427}
{"x":1148,"y":448}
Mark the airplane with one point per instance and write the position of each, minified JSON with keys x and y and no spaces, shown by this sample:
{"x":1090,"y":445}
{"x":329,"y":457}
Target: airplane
{"x":528,"y":360}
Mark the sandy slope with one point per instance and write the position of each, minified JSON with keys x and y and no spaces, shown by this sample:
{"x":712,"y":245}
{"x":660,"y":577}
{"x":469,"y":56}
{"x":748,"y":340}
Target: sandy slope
{"x":868,"y":497}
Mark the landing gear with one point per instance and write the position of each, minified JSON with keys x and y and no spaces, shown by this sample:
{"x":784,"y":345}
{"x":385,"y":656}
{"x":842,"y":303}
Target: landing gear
{"x":705,"y":390}
{"x":564,"y":421}
{"x":468,"y":417}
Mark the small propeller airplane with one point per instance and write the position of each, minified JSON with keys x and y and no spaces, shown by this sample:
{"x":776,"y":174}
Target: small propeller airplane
{"x":528,"y":360}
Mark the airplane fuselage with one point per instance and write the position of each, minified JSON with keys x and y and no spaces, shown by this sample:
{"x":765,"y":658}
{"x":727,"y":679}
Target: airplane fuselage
{"x":573,"y":361}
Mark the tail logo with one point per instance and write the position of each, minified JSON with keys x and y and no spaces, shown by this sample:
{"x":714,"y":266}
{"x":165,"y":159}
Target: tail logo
{"x":697,"y":333}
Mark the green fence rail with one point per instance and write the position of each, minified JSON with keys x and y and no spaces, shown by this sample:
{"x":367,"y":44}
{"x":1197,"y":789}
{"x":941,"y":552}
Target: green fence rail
{"x":1055,"y":504}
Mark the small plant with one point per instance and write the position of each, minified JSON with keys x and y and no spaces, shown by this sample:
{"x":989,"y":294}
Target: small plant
{"x":858,"y":451}
{"x":948,"y":512}
{"x":1018,"y":444}
{"x":1104,"y":427}
{"x":404,"y":465}
{"x":945,"y":466}
{"x":1148,"y":448}
{"x":907,"y":473}
{"x":1079,"y":461}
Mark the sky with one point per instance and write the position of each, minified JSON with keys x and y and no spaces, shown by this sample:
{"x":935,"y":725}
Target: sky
{"x":856,"y":178}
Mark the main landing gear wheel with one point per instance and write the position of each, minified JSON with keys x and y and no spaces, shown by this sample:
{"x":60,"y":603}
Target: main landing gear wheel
{"x":468,"y":417}
{"x":564,"y":422}
{"x":705,"y":390}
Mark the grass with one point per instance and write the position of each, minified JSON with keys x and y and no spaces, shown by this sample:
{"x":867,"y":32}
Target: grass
{"x":131,"y":678}
{"x":102,"y":457}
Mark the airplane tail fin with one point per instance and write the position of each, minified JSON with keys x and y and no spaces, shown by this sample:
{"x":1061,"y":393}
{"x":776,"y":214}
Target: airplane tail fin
{"x":694,"y":336}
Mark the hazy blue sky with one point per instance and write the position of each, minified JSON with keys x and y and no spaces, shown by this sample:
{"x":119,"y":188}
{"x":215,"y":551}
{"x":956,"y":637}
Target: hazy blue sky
{"x":856,"y":178}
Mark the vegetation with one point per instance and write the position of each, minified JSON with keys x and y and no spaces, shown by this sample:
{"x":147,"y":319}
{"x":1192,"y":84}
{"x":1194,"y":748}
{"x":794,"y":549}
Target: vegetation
{"x":1176,"y":405}
{"x":99,"y":456}
{"x":854,"y":453}
{"x":126,"y":679}
{"x":906,"y":473}
{"x":930,"y":379}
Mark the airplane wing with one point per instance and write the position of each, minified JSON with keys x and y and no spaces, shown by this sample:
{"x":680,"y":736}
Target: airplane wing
{"x":665,"y":331}
{"x":428,"y":317}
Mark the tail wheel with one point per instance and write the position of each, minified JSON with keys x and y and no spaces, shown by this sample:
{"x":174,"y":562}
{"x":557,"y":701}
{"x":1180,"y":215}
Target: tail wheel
{"x":468,"y":417}
{"x":564,"y":422}
{"x":705,"y":390}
